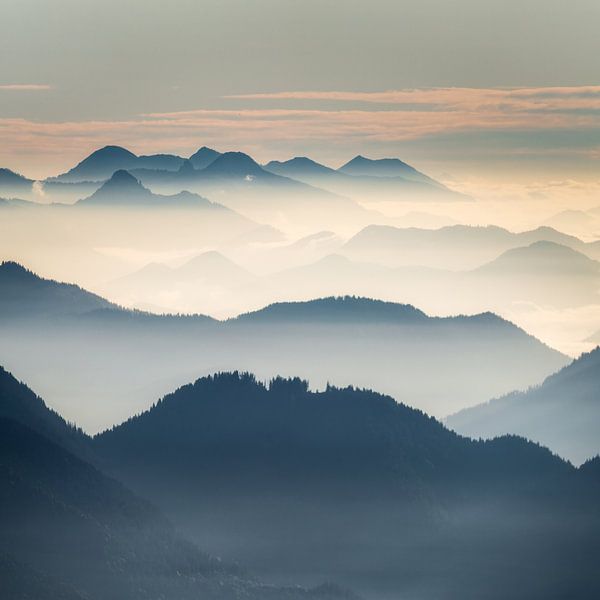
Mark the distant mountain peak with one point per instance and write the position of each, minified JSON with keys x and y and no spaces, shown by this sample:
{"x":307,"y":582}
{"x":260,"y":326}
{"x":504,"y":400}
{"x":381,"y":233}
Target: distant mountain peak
{"x":123,"y":177}
{"x":121,"y":188}
{"x":22,"y":292}
{"x":236,"y":158}
{"x":112,"y":151}
{"x":187,"y":167}
{"x":298,"y":160}
{"x":203,"y":157}
{"x":359,"y":159}
{"x":384,"y":167}
{"x":544,"y":254}
{"x":213,"y":262}
{"x":561,"y":413}
{"x":100,"y":164}
{"x":236,"y":164}
{"x":297,"y":166}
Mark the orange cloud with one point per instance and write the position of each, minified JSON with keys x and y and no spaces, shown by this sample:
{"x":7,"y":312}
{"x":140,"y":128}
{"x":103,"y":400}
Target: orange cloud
{"x":455,"y":98}
{"x":27,"y":87}
{"x":409,"y":115}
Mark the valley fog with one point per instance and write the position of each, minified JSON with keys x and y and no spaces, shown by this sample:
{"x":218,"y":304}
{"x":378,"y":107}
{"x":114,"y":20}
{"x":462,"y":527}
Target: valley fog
{"x":224,"y":257}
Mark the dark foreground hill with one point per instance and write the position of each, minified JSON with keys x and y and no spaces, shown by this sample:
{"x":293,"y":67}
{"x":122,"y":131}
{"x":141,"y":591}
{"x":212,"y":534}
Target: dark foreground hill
{"x":305,"y":485}
{"x":562,"y":413}
{"x":69,"y":532}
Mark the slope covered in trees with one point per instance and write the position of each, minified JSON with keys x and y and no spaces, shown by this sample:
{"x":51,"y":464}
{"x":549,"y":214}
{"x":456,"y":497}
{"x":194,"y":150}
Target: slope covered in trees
{"x":69,"y":532}
{"x":347,"y":481}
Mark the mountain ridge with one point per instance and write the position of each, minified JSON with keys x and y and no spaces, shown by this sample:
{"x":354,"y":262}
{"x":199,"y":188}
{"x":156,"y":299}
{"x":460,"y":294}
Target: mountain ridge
{"x":563,"y":411}
{"x":342,"y":454}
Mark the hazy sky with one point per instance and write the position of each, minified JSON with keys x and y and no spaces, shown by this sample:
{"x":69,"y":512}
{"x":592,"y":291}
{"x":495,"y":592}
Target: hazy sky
{"x":467,"y":81}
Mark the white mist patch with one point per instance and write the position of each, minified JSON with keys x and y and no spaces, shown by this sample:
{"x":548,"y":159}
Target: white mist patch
{"x":565,"y":329}
{"x":38,"y":191}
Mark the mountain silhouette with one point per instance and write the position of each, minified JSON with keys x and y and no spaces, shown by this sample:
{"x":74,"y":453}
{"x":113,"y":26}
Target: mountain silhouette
{"x":343,"y":309}
{"x":186,"y":169}
{"x":203,"y":157}
{"x":295,"y":481}
{"x":123,"y":189}
{"x":541,"y":258}
{"x":591,"y":468}
{"x":454,"y":247}
{"x":24,"y":295}
{"x":539,"y":273}
{"x":573,"y":220}
{"x":439,"y":364}
{"x":168,"y":162}
{"x":9,"y":178}
{"x":204,"y":275}
{"x":385,"y":167}
{"x":230,"y":168}
{"x":71,"y":532}
{"x":364,"y":184}
{"x":562,"y":413}
{"x":18,"y":403}
{"x":236,"y":165}
{"x":235,"y":178}
{"x":14,"y":185}
{"x":102,"y":163}
{"x":300,"y":166}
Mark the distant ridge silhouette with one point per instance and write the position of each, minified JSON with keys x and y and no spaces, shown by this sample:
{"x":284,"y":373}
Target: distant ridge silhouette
{"x":10,"y":179}
{"x":203,"y":157}
{"x":562,"y":413}
{"x":384,"y":167}
{"x":25,"y":294}
{"x":345,"y":308}
{"x":439,"y":364}
{"x":234,"y":164}
{"x":123,"y":189}
{"x":102,"y":163}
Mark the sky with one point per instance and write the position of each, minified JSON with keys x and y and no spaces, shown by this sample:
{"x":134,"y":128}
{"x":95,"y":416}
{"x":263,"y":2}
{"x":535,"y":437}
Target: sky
{"x":507,"y":91}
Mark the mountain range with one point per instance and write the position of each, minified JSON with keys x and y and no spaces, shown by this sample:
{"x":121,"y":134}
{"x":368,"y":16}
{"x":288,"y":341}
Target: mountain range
{"x":124,"y":190}
{"x":562,"y":413}
{"x":102,"y":163}
{"x":25,"y":294}
{"x":207,"y":170}
{"x":366,"y":179}
{"x":303,"y":484}
{"x":534,"y":274}
{"x":121,"y":359}
{"x":300,"y":486}
{"x":14,"y":185}
{"x":195,"y":286}
{"x":70,"y":532}
{"x":455,"y":247}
